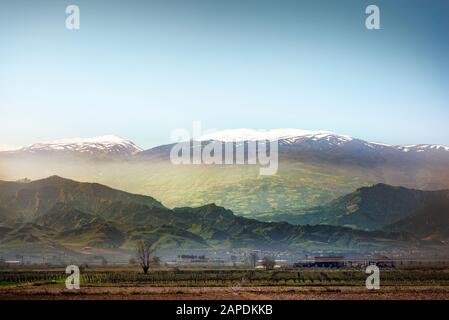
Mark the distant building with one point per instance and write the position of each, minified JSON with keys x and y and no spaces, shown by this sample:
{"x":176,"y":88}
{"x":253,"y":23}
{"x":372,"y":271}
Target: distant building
{"x":340,"y":261}
{"x":322,"y":262}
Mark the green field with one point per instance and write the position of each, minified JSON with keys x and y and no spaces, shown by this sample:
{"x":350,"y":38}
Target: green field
{"x":227,"y":277}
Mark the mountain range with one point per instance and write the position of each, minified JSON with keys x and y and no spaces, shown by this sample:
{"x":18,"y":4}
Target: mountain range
{"x":318,"y":140}
{"x":60,"y":215}
{"x":315,"y":167}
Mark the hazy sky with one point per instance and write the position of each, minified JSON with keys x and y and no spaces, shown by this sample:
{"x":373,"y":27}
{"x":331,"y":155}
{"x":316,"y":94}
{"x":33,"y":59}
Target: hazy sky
{"x":142,"y":69}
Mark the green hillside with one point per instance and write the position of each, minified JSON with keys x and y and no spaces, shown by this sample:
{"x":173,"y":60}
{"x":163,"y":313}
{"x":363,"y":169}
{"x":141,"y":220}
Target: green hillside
{"x":57,"y":212}
{"x":372,"y":208}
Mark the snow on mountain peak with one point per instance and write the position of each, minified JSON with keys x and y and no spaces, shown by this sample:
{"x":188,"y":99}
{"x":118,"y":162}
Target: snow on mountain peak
{"x":422,"y":147}
{"x":297,"y":136}
{"x":108,"y":139}
{"x":285,"y":135}
{"x":103,"y":144}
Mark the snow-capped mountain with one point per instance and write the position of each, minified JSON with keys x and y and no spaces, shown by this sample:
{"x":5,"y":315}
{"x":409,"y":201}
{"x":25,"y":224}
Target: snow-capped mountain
{"x":314,"y":167}
{"x":103,"y":145}
{"x":422,"y":147}
{"x":284,"y":135}
{"x":320,"y":139}
{"x":301,"y":142}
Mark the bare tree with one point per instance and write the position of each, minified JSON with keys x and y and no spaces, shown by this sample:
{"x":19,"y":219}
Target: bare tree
{"x":268,"y":263}
{"x":145,"y":249}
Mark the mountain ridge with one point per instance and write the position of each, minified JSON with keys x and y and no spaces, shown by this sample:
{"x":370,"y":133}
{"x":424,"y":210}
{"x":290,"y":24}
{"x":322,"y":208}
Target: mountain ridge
{"x":312,"y":171}
{"x":83,"y":219}
{"x":114,"y":144}
{"x":371,"y":208}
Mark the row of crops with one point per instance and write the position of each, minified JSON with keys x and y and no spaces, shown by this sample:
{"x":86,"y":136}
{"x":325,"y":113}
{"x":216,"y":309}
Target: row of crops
{"x":227,"y":277}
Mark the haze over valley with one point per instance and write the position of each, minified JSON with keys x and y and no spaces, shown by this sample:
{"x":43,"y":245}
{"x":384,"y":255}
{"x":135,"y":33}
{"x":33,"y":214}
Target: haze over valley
{"x":315,"y":167}
{"x":332,"y":192}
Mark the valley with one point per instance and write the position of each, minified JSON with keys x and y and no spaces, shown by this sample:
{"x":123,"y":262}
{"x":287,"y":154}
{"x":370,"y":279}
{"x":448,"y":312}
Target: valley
{"x":332,"y":194}
{"x":59,"y":218}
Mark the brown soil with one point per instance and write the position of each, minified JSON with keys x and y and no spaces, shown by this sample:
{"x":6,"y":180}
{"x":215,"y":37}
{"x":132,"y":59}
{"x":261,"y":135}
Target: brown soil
{"x":49,"y":292}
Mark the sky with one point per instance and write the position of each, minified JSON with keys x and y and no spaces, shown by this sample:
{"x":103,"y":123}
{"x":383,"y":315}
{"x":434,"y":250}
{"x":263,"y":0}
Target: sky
{"x":142,"y":69}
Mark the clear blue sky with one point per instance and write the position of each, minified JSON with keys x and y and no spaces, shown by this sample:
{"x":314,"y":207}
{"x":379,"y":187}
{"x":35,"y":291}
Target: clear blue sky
{"x":140,"y":69}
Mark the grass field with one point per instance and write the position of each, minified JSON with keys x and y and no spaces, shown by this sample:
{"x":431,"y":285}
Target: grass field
{"x":114,"y":283}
